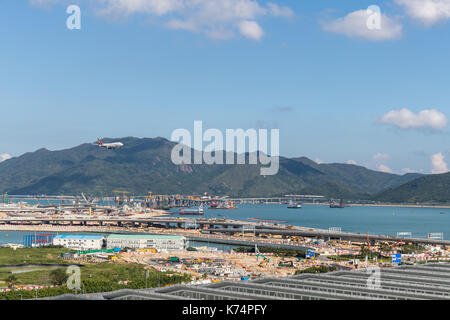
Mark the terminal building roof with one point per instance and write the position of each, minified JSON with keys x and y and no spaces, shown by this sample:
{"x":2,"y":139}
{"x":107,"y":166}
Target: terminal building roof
{"x":419,"y":282}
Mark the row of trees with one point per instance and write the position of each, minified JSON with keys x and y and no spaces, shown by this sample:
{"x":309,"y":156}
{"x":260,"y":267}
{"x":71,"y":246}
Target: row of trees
{"x":281,"y":252}
{"x":317,"y":269}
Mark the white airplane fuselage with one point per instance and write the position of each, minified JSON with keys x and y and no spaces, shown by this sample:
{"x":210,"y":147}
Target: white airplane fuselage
{"x":111,"y":145}
{"x":114,"y":145}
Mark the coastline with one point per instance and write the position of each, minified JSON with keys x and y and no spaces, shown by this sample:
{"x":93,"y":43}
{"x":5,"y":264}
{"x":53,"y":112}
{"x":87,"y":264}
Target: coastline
{"x":402,"y":206}
{"x":388,"y":205}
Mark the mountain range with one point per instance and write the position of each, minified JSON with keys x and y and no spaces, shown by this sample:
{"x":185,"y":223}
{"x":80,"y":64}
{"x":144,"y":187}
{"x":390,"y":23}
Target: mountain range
{"x":427,"y":189}
{"x":144,"y":164}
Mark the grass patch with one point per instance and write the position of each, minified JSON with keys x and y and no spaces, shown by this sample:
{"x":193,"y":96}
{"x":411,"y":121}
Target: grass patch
{"x":95,"y":277}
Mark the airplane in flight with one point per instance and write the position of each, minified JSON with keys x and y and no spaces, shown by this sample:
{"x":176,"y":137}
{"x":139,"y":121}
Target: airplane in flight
{"x":111,"y":145}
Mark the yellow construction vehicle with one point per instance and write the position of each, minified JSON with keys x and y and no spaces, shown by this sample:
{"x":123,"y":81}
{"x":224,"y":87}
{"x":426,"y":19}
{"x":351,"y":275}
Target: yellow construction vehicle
{"x":183,"y":267}
{"x":244,"y":267}
{"x":262,"y":263}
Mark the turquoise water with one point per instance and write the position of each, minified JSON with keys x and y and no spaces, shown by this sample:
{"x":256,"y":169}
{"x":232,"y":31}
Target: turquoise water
{"x":375,"y":220}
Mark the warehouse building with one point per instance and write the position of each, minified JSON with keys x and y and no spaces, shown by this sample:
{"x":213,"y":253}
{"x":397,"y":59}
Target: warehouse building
{"x":146,"y":241}
{"x":79,"y":242}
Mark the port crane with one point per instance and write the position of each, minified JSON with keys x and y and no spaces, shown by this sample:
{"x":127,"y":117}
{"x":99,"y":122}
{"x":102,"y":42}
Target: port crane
{"x":122,"y":195}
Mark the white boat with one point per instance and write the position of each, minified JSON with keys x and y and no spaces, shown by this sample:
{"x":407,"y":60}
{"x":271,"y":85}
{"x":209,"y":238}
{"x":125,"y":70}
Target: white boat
{"x":294,"y":205}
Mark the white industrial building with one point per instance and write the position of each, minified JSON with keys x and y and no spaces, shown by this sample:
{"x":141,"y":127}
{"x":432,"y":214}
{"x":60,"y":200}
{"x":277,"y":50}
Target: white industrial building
{"x":79,"y":242}
{"x":146,"y":241}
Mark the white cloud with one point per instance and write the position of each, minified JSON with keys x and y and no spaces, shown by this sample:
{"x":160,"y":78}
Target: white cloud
{"x":251,"y":29}
{"x":4,"y":156}
{"x":354,"y":25}
{"x":427,"y":12}
{"x":318,"y":161}
{"x":218,"y":19}
{"x":278,"y":11}
{"x":384,"y":168}
{"x":379,"y":162}
{"x":351,"y":162}
{"x":406,"y":119}
{"x":41,"y":3}
{"x":381,"y":157}
{"x":438,"y":164}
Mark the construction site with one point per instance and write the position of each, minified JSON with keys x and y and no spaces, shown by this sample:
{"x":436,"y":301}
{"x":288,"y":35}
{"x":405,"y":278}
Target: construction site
{"x":128,"y":217}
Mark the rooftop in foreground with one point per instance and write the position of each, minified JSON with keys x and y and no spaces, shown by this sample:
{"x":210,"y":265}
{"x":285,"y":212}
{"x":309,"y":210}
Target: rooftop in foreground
{"x":419,"y":282}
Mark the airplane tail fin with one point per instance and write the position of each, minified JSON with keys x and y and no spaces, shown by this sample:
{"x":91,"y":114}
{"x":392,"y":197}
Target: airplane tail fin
{"x":99,"y":142}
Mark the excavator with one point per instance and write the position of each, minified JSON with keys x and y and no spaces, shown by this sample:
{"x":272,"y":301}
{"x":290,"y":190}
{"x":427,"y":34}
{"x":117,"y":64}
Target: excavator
{"x":244,"y":267}
{"x":264,"y":262}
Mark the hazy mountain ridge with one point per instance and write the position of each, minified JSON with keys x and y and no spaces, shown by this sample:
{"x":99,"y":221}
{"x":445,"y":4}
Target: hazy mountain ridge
{"x":144,"y":165}
{"x":431,"y":188}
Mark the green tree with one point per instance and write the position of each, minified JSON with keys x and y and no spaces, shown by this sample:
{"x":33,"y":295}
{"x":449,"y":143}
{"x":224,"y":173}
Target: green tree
{"x":11,"y":281}
{"x":58,"y":277}
{"x":364,"y":251}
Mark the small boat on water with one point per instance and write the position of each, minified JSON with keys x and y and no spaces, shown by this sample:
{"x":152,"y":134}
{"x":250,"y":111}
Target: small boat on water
{"x":294,"y":205}
{"x":335,"y":205}
{"x":223,"y":205}
{"x":191,"y":211}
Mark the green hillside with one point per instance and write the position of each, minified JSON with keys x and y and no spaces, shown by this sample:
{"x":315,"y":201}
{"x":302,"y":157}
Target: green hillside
{"x":144,"y":165}
{"x":431,"y":189}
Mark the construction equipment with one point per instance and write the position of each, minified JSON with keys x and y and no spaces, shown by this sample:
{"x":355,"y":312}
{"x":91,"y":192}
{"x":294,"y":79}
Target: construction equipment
{"x":286,"y":264}
{"x":122,"y":195}
{"x":184,"y":267}
{"x":263,"y":263}
{"x":244,"y":267}
{"x":258,"y":254}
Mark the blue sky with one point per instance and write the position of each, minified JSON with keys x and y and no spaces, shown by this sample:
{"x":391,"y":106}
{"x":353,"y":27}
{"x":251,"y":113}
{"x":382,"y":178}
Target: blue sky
{"x":144,"y":68}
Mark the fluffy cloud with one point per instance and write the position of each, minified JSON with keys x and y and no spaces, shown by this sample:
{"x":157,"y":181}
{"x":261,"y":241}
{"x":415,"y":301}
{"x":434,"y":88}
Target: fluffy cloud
{"x":384,"y":168}
{"x":251,"y":29}
{"x":4,"y":156}
{"x":381,"y":157}
{"x":355,"y":25}
{"x":219,"y":19}
{"x":406,"y":119}
{"x":408,"y":170}
{"x":427,"y":12}
{"x":278,"y":11}
{"x":438,"y":164}
{"x":379,"y":162}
